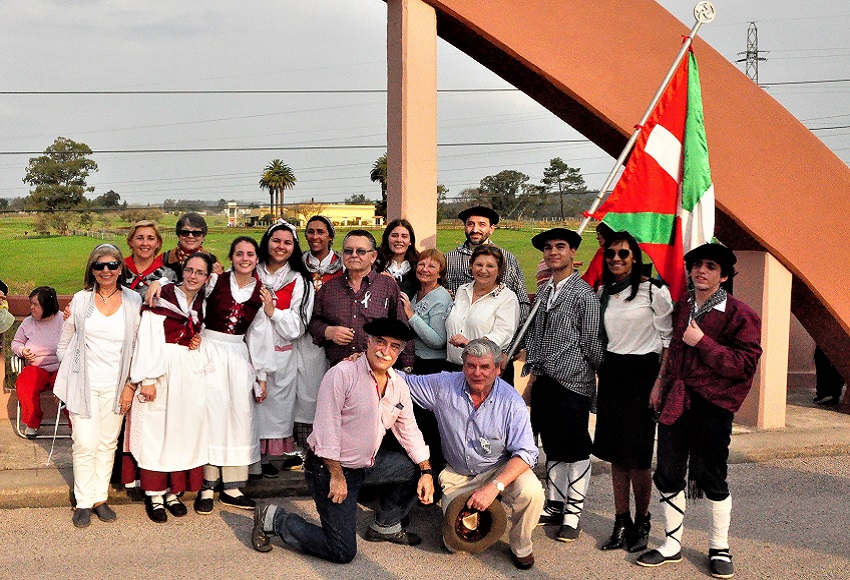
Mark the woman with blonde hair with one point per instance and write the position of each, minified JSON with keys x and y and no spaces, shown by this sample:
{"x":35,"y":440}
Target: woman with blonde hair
{"x":145,"y":263}
{"x":94,"y":352}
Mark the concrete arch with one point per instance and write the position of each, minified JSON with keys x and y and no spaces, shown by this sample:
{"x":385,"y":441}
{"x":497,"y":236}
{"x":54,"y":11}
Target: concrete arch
{"x":596,"y":64}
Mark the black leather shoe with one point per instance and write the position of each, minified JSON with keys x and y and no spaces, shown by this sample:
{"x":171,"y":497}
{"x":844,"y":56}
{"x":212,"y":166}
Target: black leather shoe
{"x":156,"y":511}
{"x":104,"y":513}
{"x":568,"y":533}
{"x":259,"y":538}
{"x":638,"y":539}
{"x":292,"y":463}
{"x":547,"y":519}
{"x":81,"y":517}
{"x":622,"y":525}
{"x":720,"y":563}
{"x":176,"y":507}
{"x":403,"y":537}
{"x":203,"y":506}
{"x":242,"y":502}
{"x":270,"y":471}
{"x":653,"y":558}
{"x":524,"y":562}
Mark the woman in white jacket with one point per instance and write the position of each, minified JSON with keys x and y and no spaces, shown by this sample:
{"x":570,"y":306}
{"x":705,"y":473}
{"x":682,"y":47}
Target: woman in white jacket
{"x":290,"y":305}
{"x":95,"y":351}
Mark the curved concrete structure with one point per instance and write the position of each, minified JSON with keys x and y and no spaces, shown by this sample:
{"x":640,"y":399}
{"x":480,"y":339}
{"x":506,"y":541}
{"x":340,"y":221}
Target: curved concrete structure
{"x":596,"y":64}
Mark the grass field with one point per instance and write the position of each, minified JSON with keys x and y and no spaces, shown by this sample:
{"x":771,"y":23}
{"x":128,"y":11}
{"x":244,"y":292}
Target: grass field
{"x":28,"y":261}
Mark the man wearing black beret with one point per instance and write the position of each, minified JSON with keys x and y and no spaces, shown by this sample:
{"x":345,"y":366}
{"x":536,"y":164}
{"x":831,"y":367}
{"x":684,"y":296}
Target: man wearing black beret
{"x":358,"y":401}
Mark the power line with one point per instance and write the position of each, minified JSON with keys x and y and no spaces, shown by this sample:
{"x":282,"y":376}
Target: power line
{"x":301,"y":147}
{"x":252,"y":92}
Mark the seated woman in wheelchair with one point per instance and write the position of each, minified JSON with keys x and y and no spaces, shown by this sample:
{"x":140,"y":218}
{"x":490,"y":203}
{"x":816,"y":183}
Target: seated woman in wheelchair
{"x":35,"y":342}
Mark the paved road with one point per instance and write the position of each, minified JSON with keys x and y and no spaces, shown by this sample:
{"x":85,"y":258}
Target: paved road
{"x":791,"y":519}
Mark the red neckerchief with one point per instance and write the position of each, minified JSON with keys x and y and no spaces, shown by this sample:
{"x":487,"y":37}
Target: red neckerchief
{"x":131,"y":265}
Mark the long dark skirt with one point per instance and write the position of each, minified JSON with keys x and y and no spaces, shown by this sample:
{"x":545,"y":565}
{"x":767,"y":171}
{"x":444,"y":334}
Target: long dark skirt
{"x":625,"y":426}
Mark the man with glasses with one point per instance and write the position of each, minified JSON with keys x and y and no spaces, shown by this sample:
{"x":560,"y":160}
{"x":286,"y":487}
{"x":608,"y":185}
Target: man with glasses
{"x":344,"y":304}
{"x":487,"y":441}
{"x":563,"y":351}
{"x":191,"y":230}
{"x":358,"y":401}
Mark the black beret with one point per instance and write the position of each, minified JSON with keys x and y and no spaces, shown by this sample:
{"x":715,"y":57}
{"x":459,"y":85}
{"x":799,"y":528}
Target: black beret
{"x":569,"y":236}
{"x":715,"y":252}
{"x":392,"y":327}
{"x":479,"y":210}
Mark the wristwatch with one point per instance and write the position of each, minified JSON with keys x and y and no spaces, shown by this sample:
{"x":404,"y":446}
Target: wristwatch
{"x":428,"y":471}
{"x":499,"y":485}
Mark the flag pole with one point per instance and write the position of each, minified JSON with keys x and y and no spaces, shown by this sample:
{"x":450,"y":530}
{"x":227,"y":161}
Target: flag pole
{"x":704,"y":13}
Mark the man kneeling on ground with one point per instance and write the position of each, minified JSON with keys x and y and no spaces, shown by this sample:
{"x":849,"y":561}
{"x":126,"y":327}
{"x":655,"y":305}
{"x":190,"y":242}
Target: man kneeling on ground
{"x":487,"y":441}
{"x":350,"y":423}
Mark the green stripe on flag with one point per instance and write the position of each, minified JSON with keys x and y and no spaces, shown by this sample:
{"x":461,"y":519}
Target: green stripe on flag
{"x":646,"y":227}
{"x":696,"y":176}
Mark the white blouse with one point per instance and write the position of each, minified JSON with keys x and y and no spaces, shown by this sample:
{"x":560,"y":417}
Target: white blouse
{"x":104,"y":342}
{"x":638,"y":326}
{"x":495,"y":316}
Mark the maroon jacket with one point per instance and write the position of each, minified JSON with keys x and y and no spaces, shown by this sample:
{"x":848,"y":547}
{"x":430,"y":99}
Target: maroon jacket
{"x":721,"y":366}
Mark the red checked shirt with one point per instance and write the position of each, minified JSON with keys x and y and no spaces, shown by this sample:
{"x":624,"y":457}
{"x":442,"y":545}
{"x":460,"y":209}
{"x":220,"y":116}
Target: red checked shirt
{"x":337,"y":304}
{"x":351,"y":420}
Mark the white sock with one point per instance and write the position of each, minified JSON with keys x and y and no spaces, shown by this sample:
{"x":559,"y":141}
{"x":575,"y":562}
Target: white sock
{"x":721,"y":517}
{"x":157,"y":501}
{"x":170,"y":498}
{"x":673,"y":508}
{"x":207,"y":494}
{"x":268,"y":521}
{"x":557,"y":481}
{"x":232,"y":492}
{"x":579,"y":480}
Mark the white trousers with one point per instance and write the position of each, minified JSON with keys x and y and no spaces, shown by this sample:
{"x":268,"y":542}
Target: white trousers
{"x":93,"y":451}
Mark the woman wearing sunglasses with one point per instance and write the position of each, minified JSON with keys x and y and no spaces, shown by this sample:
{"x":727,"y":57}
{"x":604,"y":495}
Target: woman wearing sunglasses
{"x":191,"y":230}
{"x":95,"y":350}
{"x":636,"y":327}
{"x":168,"y":423}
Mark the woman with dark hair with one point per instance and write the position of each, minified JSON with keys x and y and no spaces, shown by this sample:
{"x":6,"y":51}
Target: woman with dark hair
{"x":397,"y":255}
{"x":636,"y":327}
{"x":191,"y":230}
{"x":483,"y":308}
{"x":93,"y":378}
{"x":289,"y":307}
{"x":145,"y":263}
{"x":324,"y":264}
{"x":35,"y":342}
{"x":237,"y":338}
{"x":168,"y":423}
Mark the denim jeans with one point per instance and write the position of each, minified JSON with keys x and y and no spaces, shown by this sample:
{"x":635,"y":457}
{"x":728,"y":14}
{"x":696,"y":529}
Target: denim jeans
{"x":336,"y":538}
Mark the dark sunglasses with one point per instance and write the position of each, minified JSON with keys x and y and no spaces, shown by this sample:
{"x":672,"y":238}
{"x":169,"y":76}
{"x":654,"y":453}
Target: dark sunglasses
{"x":622,"y":252}
{"x":360,"y":251}
{"x":192,"y":233}
{"x":98,"y":266}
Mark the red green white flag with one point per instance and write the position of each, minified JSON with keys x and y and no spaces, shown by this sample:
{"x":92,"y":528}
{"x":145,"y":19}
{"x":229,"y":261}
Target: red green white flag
{"x":665,"y":196}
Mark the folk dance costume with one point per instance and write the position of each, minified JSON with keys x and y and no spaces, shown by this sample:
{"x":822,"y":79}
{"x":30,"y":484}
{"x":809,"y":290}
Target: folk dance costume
{"x":311,"y":362}
{"x":275,"y":415}
{"x":237,"y":338}
{"x":563,"y":351}
{"x":140,"y":281}
{"x":704,"y":387}
{"x":169,"y":435}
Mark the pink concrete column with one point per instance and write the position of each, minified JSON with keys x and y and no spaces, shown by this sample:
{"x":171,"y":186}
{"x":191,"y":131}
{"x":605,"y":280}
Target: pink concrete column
{"x":765,"y":285}
{"x":412,"y":117}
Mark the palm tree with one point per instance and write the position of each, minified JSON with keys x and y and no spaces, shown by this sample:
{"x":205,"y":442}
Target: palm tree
{"x":276,"y":177}
{"x":379,"y":174}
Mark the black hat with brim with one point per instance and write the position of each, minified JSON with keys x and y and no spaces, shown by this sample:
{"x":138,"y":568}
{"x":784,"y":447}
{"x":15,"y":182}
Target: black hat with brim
{"x":719,"y":253}
{"x":471,"y":531}
{"x":479,"y":210}
{"x":391,"y":327}
{"x":569,"y":236}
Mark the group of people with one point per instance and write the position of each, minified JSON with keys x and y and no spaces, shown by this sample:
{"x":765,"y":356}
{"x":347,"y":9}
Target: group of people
{"x":382,"y":364}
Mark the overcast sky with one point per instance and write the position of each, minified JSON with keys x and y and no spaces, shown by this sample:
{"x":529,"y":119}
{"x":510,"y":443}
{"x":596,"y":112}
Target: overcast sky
{"x":333,"y":45}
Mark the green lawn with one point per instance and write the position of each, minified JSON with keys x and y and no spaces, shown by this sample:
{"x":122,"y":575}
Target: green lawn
{"x":28,"y":261}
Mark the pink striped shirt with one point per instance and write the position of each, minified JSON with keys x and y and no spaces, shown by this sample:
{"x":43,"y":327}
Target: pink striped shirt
{"x":351,"y":421}
{"x":41,"y":337}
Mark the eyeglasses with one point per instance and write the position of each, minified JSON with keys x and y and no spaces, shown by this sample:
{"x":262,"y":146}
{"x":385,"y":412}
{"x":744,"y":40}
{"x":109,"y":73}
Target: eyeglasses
{"x":98,"y":266}
{"x":360,"y":251}
{"x":623,"y":253}
{"x":190,"y":233}
{"x":194,"y":272}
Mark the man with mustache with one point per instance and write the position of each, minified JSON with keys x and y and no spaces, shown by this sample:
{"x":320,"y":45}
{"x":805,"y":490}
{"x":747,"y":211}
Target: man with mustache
{"x":358,"y":401}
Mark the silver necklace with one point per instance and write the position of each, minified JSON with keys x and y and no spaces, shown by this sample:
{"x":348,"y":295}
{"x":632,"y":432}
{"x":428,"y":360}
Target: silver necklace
{"x":105,"y":298}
